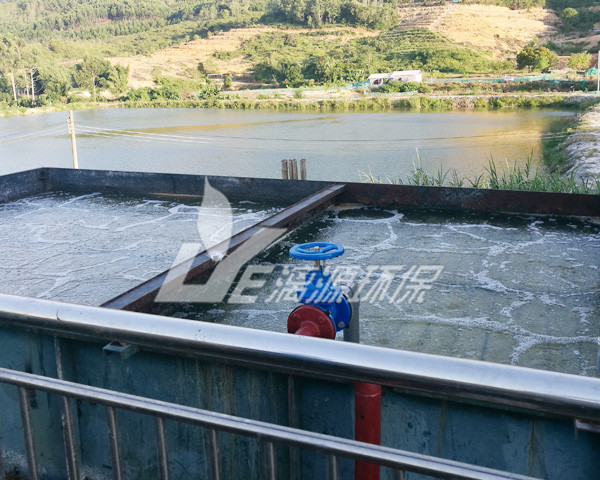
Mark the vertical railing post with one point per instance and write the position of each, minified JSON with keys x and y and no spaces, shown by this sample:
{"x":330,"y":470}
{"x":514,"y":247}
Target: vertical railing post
{"x":161,"y":445}
{"x":270,"y":461}
{"x":215,"y":470}
{"x":69,"y":439}
{"x":332,"y":467}
{"x":28,"y":433}
{"x":398,"y":475}
{"x":293,"y":421}
{"x":113,"y":437}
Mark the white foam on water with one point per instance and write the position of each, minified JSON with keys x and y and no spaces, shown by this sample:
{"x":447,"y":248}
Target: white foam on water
{"x":523,"y":338}
{"x":460,"y":229}
{"x":489,"y":283}
{"x":534,"y":225}
{"x":584,"y":312}
{"x":79,"y":199}
{"x":550,"y":300}
{"x":394,"y":217}
{"x":484,"y":323}
{"x":513,"y":280}
{"x":530,"y":340}
{"x":508,"y":311}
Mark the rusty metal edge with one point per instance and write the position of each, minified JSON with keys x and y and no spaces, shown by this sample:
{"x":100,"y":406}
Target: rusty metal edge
{"x":381,"y":195}
{"x":473,"y":200}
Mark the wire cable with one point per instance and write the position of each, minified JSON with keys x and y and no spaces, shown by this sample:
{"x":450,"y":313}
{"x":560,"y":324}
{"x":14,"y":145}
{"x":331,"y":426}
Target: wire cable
{"x":30,"y":136}
{"x":134,"y":133}
{"x":161,"y":139}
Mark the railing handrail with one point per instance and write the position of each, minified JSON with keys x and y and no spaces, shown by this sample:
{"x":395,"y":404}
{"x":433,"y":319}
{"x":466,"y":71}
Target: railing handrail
{"x":558,"y":394}
{"x":266,"y":432}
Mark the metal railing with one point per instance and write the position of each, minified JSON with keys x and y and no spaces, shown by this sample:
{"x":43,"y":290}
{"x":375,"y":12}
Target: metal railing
{"x":269,"y":434}
{"x":543,"y":392}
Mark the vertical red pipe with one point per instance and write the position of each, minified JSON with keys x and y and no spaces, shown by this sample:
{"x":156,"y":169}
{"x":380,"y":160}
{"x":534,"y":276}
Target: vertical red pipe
{"x":312,"y":322}
{"x":367,"y":425}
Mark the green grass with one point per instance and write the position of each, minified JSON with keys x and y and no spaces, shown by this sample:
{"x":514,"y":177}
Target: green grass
{"x":514,"y":178}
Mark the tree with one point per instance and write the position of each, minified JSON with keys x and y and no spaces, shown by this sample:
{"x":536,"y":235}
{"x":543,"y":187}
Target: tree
{"x":54,"y":81}
{"x":536,"y":58}
{"x":579,"y":61}
{"x":290,"y":74}
{"x":328,"y":70}
{"x":572,"y":20}
{"x":118,"y":78}
{"x":315,"y":13}
{"x":92,"y":72}
{"x":568,"y":15}
{"x":11,"y":57}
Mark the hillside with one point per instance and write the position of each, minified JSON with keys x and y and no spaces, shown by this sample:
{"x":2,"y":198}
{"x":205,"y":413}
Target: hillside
{"x":173,"y":44}
{"x":487,"y":28}
{"x":498,"y":29}
{"x":180,"y":60}
{"x":495,"y":31}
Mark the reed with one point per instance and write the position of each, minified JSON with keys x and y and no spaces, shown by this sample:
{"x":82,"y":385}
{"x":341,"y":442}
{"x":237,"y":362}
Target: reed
{"x":514,"y":177}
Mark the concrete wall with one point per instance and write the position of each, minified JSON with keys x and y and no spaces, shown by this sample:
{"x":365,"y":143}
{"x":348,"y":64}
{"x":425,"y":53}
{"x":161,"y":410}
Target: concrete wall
{"x":23,"y":184}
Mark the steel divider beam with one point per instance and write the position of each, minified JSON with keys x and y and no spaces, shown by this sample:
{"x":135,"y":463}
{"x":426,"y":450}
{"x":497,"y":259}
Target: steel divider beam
{"x":141,"y":298}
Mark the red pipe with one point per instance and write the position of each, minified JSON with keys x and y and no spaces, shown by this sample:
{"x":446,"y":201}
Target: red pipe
{"x":367,"y":425}
{"x":311,"y":321}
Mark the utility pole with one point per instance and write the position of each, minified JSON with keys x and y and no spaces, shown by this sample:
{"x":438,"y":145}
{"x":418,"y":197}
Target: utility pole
{"x":32,"y":88}
{"x":598,"y":74}
{"x":71,"y":128}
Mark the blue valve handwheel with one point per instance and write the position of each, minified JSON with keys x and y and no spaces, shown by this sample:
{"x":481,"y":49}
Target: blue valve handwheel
{"x":316,"y":251}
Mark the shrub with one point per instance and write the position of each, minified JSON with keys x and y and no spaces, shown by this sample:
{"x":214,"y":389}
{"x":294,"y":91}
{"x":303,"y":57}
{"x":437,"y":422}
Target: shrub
{"x":579,"y":61}
{"x":138,"y":95}
{"x":210,"y":91}
{"x":536,"y":58}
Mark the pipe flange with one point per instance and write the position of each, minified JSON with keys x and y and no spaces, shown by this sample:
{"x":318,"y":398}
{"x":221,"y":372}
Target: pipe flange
{"x":311,"y":321}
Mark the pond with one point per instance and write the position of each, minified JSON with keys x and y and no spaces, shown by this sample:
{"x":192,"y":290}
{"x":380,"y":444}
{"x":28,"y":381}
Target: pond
{"x":337,"y":146}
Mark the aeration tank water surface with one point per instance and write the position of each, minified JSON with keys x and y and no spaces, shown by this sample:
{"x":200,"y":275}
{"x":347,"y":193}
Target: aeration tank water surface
{"x":514,"y":289}
{"x":89,"y":248}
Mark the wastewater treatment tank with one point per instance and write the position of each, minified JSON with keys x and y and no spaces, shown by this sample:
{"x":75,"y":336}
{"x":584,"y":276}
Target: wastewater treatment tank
{"x":513,"y":289}
{"x":460,"y":287}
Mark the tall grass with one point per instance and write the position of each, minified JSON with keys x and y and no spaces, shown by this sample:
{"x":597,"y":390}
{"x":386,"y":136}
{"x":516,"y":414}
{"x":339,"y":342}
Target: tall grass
{"x":515,"y":177}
